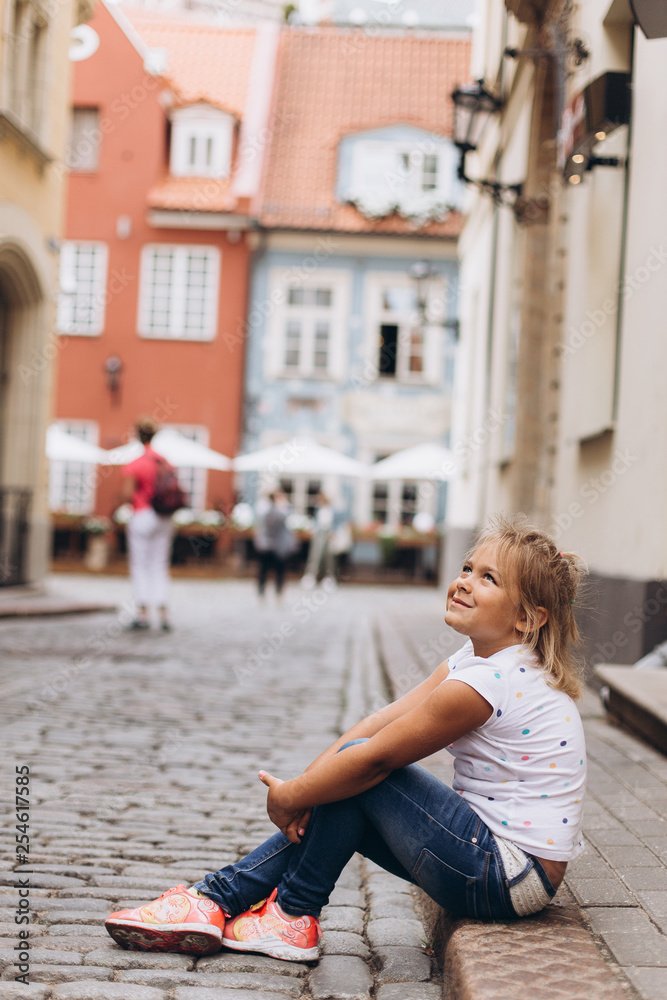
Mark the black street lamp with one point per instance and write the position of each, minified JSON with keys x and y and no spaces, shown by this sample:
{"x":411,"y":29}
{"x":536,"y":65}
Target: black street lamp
{"x":473,"y":106}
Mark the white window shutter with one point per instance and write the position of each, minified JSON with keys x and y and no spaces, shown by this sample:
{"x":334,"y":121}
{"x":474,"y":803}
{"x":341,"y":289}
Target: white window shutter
{"x":67,"y":288}
{"x":82,"y":279}
{"x":100,"y":262}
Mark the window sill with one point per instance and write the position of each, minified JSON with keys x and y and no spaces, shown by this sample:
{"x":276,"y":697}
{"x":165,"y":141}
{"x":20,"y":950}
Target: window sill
{"x":79,"y":333}
{"x":404,"y":381}
{"x":309,"y":376}
{"x":12,"y":128}
{"x":166,"y":338}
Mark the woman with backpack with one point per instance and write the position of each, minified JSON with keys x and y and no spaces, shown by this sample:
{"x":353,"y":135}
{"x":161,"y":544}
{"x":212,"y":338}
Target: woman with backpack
{"x":149,"y":483}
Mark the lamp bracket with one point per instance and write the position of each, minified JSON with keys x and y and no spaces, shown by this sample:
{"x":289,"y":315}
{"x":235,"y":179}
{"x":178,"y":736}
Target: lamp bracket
{"x":577,"y":50}
{"x":496,"y":189}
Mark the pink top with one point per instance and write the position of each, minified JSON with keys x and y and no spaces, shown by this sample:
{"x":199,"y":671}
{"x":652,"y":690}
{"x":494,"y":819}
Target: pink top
{"x":144,"y":471}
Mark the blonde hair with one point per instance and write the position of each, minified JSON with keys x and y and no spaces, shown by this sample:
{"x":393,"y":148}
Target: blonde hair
{"x":544,"y":578}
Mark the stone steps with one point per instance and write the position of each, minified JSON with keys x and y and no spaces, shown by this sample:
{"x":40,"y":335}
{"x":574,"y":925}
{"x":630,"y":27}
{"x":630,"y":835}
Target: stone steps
{"x":637,"y":698}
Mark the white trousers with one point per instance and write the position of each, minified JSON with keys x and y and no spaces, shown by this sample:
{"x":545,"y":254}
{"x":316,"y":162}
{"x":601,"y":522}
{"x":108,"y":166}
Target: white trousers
{"x":149,"y":544}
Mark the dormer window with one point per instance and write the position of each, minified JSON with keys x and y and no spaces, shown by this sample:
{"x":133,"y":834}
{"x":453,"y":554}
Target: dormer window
{"x":201,"y":142}
{"x":398,"y":169}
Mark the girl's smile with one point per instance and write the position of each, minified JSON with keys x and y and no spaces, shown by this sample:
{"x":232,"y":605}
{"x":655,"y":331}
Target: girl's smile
{"x":481,"y":604}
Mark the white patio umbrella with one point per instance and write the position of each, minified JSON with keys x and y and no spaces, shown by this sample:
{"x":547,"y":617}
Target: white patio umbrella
{"x":64,"y":447}
{"x":300,"y":456}
{"x":422,"y":461}
{"x":179,"y":450}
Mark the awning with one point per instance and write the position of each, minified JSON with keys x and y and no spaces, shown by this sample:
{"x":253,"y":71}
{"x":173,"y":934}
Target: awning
{"x":300,"y":456}
{"x":179,"y":450}
{"x":422,"y":461}
{"x":64,"y":447}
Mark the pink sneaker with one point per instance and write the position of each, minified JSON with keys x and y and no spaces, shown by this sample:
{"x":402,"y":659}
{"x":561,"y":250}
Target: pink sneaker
{"x":264,"y":928}
{"x":180,"y":920}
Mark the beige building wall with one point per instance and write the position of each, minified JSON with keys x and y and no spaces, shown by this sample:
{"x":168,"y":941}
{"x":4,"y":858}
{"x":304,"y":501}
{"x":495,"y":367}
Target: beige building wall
{"x":610,"y":490}
{"x":34,"y":117}
{"x":562,"y":323}
{"x":612,"y":485}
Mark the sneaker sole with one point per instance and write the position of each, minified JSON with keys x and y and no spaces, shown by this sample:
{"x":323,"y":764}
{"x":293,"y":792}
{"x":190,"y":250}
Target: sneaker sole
{"x":181,"y":938}
{"x":275,"y":948}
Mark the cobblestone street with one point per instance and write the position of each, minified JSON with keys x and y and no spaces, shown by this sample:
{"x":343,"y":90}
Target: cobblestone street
{"x":143,"y":751}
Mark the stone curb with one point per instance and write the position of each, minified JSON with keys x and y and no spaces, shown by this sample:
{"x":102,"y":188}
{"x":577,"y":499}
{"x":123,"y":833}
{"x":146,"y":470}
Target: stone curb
{"x":553,"y":956}
{"x":34,"y":607}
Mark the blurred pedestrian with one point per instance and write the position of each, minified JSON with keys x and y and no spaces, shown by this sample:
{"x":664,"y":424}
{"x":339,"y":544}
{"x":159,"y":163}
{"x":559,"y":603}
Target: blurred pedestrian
{"x":148,"y":533}
{"x":274,"y":542}
{"x":320,"y":555}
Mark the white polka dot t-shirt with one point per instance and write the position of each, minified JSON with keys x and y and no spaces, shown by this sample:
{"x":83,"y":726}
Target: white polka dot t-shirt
{"x":524,"y":770}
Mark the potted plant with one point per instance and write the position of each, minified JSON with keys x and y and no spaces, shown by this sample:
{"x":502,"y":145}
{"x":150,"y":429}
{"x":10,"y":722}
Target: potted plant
{"x":97,"y":530}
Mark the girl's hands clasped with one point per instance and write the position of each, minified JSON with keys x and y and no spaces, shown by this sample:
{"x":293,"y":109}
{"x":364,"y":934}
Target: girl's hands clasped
{"x":292,"y":822}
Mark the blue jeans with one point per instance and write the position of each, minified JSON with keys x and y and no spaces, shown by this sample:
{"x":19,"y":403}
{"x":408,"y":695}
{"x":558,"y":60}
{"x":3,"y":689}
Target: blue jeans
{"x":410,"y":824}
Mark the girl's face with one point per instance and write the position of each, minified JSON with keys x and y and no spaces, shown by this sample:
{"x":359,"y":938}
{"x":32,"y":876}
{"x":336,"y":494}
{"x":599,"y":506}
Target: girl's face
{"x":482,"y":603}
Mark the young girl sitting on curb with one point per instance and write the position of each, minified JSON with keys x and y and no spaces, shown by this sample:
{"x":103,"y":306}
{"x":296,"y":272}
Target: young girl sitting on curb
{"x":495,"y":846}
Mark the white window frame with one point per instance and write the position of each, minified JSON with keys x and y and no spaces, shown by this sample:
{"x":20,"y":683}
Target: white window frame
{"x":73,"y":485}
{"x":376,"y":314}
{"x":174,"y":294}
{"x":83,"y":151}
{"x":192,"y":479}
{"x":201,"y":142}
{"x":82,"y":287}
{"x":281,"y":281}
{"x":425,"y":499}
{"x":298,"y":491}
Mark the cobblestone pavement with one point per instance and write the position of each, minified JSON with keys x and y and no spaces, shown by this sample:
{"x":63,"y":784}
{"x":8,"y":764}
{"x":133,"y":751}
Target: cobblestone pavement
{"x":143,"y":751}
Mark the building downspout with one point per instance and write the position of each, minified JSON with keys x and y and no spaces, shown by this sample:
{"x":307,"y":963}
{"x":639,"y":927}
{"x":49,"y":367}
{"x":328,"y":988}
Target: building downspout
{"x":493,"y":267}
{"x":484,"y":492}
{"x":623,"y":249}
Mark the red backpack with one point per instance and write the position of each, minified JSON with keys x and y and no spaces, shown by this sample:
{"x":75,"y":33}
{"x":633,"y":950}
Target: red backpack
{"x":167,"y":493}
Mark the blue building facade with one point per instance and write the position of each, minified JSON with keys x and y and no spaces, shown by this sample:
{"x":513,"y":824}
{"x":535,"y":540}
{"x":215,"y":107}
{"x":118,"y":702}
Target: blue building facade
{"x":346,"y":346}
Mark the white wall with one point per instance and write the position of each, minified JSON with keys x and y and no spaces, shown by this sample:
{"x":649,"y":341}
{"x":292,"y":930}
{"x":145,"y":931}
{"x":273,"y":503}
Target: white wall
{"x":612,"y":493}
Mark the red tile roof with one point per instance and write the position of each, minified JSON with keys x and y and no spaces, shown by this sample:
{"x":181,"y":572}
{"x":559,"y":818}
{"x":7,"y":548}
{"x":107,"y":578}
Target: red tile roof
{"x":205,"y":63}
{"x":333,"y":82}
{"x":192,"y":194}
